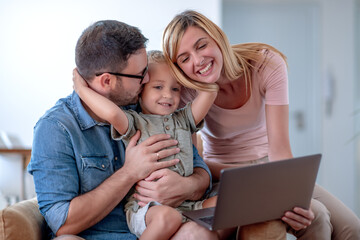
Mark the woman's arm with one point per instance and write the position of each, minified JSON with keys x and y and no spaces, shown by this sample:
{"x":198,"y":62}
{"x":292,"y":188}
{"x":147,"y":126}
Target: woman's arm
{"x":277,"y":123}
{"x":100,"y":105}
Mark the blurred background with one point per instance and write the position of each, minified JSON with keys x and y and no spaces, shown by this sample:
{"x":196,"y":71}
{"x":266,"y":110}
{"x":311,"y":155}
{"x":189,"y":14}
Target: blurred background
{"x":321,"y":39}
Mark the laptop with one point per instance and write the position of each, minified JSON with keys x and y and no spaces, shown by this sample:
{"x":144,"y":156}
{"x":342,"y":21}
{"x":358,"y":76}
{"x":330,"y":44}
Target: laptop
{"x":260,"y":192}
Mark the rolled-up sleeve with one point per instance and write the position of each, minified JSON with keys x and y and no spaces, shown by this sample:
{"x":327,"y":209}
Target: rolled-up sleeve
{"x":54,"y":171}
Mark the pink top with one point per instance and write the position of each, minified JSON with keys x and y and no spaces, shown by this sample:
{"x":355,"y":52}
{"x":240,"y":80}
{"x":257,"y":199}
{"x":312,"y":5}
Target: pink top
{"x":238,"y":135}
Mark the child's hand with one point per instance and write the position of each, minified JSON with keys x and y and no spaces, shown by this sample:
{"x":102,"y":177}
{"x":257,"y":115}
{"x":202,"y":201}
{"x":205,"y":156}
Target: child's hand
{"x":78,"y":81}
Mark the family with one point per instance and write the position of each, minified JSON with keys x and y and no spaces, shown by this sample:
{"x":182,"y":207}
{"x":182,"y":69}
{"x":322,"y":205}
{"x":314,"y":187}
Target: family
{"x":117,"y":158}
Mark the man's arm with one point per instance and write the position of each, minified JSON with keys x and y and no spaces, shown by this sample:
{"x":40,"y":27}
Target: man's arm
{"x":57,"y":179}
{"x":171,"y":188}
{"x":88,"y":209}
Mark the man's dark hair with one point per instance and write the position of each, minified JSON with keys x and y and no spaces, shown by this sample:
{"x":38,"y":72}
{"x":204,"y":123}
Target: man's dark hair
{"x":105,"y":46}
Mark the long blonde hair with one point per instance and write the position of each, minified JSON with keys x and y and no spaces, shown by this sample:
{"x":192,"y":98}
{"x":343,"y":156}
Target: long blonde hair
{"x":236,"y":58}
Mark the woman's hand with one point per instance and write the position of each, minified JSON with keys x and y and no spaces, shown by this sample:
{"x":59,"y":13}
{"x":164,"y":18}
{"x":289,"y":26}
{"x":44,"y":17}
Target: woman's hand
{"x":78,"y":81}
{"x":299,"y":218}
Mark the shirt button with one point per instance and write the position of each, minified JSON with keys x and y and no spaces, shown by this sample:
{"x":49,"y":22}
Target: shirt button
{"x":166,"y":119}
{"x":103,"y":166}
{"x":167,"y":127}
{"x":116,"y":158}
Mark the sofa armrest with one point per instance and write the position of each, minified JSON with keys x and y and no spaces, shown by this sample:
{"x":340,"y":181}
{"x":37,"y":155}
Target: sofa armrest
{"x":22,"y":220}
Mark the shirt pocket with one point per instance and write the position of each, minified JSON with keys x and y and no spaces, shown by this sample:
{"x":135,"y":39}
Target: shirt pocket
{"x":95,"y":170}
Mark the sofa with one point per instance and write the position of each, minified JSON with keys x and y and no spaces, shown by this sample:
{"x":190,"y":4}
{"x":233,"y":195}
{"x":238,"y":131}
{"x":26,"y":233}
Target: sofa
{"x":22,"y":220}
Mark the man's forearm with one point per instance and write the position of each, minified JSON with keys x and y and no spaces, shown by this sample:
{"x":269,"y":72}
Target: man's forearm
{"x":198,"y":182}
{"x":88,"y":209}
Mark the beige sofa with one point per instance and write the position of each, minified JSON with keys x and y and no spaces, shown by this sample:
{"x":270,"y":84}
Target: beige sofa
{"x":22,"y":220}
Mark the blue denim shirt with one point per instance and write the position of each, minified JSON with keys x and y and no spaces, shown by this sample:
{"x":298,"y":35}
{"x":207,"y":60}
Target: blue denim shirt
{"x":71,"y":155}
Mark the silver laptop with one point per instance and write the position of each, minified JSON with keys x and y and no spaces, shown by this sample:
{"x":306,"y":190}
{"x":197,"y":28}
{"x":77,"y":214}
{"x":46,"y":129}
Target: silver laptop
{"x":260,"y":192}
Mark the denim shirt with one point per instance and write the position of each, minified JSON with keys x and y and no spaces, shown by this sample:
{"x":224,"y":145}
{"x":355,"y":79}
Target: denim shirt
{"x":72,"y":154}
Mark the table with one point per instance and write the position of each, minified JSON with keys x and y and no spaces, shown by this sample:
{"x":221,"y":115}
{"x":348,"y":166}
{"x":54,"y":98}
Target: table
{"x":25,"y":154}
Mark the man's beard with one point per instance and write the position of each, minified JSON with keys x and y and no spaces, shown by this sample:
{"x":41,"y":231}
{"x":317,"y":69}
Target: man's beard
{"x":121,"y":97}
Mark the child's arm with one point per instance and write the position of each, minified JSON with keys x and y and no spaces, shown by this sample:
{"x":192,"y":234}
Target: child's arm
{"x":100,"y":105}
{"x":201,"y":104}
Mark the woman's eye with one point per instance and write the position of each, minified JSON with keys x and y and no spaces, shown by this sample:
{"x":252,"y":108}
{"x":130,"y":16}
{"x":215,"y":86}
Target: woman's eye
{"x":202,"y":46}
{"x":157,"y":87}
{"x":176,"y":89}
{"x":184,"y":60}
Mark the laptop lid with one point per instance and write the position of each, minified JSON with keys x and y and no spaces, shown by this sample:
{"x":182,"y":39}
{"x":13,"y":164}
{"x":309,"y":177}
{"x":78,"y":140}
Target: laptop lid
{"x":262,"y":192}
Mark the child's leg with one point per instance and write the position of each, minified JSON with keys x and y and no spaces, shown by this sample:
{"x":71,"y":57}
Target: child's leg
{"x":161,"y":222}
{"x":223,"y":233}
{"x":210,"y":202}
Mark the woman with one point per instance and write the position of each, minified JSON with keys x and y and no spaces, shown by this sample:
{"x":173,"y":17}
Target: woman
{"x":248,"y":122}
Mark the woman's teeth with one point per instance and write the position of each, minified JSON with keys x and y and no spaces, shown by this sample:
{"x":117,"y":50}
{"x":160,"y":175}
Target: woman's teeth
{"x":204,"y":70}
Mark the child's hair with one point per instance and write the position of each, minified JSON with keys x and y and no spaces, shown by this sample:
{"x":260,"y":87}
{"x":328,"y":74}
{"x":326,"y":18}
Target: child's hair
{"x":156,"y":56}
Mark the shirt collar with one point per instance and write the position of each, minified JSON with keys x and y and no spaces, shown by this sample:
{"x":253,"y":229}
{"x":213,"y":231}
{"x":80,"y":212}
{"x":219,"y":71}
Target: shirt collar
{"x":82,"y":116}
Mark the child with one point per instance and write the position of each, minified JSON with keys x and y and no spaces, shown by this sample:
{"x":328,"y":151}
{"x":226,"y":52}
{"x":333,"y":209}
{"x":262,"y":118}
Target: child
{"x":159,"y":102}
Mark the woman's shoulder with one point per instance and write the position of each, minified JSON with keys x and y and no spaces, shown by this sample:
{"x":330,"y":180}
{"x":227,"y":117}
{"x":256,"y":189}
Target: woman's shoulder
{"x":268,"y":60}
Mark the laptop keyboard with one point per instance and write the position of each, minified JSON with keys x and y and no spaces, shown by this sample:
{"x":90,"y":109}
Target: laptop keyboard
{"x":209,"y":220}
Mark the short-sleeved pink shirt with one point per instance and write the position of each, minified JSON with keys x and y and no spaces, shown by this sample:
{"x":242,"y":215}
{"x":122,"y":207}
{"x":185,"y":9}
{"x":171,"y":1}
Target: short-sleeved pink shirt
{"x":239,"y":135}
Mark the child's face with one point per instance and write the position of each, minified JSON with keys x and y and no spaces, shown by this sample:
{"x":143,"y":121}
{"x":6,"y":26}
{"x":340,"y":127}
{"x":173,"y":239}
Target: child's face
{"x":161,"y":95}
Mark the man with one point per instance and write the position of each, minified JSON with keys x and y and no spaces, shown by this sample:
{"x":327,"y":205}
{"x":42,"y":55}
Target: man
{"x":81,"y":175}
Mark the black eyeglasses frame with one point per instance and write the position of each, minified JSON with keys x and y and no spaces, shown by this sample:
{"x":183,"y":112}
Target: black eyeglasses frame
{"x":141,"y":77}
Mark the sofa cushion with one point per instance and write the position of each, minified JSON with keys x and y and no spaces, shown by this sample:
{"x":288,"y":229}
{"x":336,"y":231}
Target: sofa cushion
{"x":22,"y":220}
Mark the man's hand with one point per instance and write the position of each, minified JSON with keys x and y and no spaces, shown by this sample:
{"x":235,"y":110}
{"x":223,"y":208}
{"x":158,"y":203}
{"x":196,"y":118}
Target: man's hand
{"x":169,"y":188}
{"x":163,"y":186}
{"x":299,"y":218}
{"x":142,"y":159}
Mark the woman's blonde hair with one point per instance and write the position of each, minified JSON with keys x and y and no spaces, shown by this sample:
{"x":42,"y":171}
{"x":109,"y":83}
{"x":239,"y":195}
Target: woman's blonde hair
{"x":236,"y":58}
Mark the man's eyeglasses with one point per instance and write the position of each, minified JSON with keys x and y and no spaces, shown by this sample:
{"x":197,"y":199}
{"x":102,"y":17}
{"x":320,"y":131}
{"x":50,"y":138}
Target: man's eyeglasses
{"x":141,"y":77}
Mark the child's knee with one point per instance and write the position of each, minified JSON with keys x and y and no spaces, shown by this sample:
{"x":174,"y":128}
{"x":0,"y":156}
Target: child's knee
{"x":168,"y":216}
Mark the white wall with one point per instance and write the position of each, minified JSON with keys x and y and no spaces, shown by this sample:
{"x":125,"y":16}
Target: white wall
{"x":339,"y":22}
{"x":37,"y":53}
{"x":338,"y":60}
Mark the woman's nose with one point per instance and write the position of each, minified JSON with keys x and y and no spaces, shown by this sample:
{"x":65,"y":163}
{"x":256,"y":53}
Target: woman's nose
{"x":199,"y":60}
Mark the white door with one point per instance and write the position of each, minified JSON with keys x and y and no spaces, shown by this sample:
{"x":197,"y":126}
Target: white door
{"x":293,"y":28}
